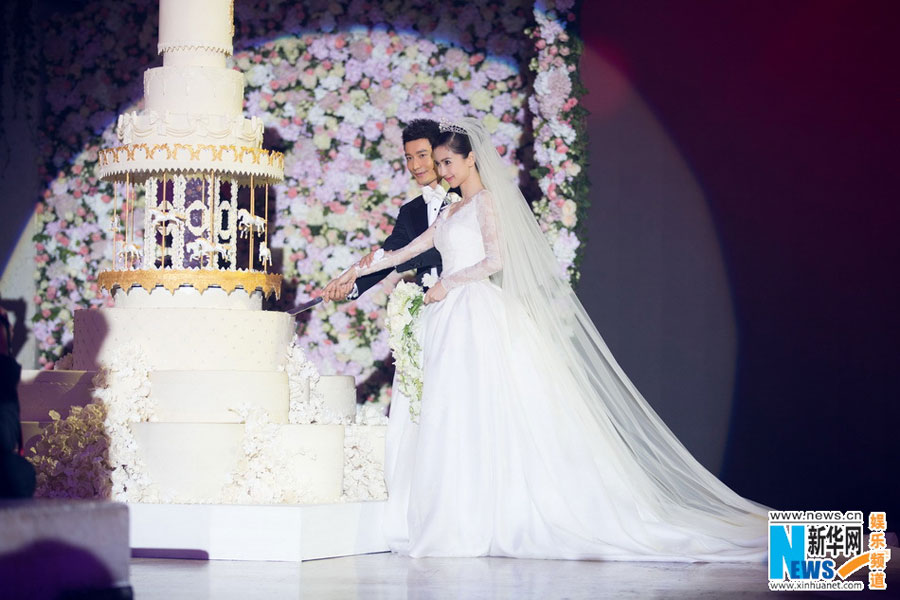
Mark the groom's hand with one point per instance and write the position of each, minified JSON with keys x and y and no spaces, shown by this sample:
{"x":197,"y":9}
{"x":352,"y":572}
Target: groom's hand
{"x":435,"y":293}
{"x":368,"y":258}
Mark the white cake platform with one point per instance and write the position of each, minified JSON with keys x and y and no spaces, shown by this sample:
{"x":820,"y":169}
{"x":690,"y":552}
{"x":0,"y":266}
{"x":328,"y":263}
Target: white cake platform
{"x":243,"y":532}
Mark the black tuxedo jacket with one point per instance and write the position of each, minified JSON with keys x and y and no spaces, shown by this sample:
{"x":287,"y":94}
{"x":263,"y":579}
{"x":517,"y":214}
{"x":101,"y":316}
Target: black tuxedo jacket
{"x":411,"y":222}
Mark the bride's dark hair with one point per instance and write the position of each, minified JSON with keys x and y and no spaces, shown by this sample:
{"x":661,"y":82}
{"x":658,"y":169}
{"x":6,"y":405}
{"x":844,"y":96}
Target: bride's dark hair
{"x":457,"y":142}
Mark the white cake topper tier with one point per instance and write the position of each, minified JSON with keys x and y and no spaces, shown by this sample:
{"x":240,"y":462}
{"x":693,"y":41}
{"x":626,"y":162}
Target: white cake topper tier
{"x":192,"y":123}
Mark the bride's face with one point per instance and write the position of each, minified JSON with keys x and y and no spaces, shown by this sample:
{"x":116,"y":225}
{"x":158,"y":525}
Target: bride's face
{"x":453,"y":168}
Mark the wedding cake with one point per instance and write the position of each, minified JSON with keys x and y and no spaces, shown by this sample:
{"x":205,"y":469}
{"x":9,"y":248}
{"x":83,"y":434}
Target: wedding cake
{"x":202,"y":394}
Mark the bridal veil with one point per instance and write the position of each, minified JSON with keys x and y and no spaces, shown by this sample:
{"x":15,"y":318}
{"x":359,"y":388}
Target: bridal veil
{"x":672,"y":485}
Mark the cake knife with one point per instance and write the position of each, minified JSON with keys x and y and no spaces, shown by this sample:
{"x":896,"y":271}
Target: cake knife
{"x":305,"y":306}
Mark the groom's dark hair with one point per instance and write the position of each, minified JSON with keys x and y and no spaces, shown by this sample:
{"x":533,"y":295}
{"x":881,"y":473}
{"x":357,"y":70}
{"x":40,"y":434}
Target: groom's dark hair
{"x":421,"y":129}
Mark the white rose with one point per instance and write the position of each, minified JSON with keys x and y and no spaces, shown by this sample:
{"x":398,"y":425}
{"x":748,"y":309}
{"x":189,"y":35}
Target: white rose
{"x":257,"y":75}
{"x":315,"y":215}
{"x":491,"y":122}
{"x":481,"y":100}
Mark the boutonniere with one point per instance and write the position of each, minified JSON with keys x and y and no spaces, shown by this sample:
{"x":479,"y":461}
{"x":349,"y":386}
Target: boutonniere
{"x":429,"y":280}
{"x":452,"y":198}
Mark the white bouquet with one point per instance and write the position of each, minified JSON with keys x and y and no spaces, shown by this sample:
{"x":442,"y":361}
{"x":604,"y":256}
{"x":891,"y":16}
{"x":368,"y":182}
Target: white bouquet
{"x":403,"y":323}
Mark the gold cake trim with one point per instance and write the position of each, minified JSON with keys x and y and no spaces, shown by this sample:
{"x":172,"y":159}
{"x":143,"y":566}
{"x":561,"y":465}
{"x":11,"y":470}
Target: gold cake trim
{"x":199,"y":279}
{"x":147,"y":158}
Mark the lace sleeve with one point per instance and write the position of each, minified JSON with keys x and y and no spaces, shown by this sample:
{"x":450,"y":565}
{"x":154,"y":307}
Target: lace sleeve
{"x":490,"y":237}
{"x":392,"y":258}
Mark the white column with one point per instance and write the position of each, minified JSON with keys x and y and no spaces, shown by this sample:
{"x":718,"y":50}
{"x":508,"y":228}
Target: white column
{"x":150,"y":208}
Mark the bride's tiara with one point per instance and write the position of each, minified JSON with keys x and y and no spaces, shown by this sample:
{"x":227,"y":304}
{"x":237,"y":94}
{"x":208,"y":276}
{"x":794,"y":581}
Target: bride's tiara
{"x":447,"y":125}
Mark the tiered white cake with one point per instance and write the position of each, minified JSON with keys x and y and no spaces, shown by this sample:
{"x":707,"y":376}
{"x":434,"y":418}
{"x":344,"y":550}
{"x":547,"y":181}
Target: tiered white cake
{"x":213,"y":366}
{"x":204,"y":395}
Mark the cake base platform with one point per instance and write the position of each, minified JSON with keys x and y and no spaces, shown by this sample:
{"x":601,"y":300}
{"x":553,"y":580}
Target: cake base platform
{"x":245,"y":532}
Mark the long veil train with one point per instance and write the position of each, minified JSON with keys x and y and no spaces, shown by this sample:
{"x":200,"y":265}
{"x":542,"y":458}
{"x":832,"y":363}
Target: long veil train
{"x":672,"y":486}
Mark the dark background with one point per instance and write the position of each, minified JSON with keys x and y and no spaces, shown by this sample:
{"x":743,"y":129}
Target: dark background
{"x":765,"y":132}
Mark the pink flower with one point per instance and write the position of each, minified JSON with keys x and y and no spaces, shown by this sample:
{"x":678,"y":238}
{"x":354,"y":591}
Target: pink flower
{"x":46,"y":313}
{"x":372,"y":185}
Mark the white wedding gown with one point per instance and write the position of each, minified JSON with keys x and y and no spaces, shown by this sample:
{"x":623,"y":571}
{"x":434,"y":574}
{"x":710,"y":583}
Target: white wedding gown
{"x":493,"y":467}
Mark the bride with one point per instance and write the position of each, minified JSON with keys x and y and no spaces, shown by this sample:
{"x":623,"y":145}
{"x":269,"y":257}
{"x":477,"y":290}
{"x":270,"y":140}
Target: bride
{"x":532,"y":441}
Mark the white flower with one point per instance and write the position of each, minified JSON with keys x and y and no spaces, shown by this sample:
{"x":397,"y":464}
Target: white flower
{"x":404,"y":327}
{"x":258,"y":75}
{"x":429,"y":280}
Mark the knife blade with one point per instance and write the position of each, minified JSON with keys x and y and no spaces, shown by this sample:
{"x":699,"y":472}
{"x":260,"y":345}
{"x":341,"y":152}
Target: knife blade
{"x":305,"y":306}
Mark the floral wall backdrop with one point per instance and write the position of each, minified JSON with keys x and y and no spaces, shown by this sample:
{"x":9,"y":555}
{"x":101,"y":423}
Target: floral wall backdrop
{"x":334,"y":83}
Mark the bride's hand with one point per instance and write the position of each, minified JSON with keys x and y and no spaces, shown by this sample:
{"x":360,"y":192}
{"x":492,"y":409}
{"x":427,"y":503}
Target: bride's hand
{"x":435,"y":293}
{"x":368,"y":258}
{"x":339,"y":287}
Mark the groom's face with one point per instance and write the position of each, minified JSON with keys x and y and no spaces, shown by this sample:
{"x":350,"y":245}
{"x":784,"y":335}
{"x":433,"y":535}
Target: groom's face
{"x":419,"y":161}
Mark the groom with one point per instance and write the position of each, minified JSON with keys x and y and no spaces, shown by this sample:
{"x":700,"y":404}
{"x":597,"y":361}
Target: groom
{"x":415,"y":216}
